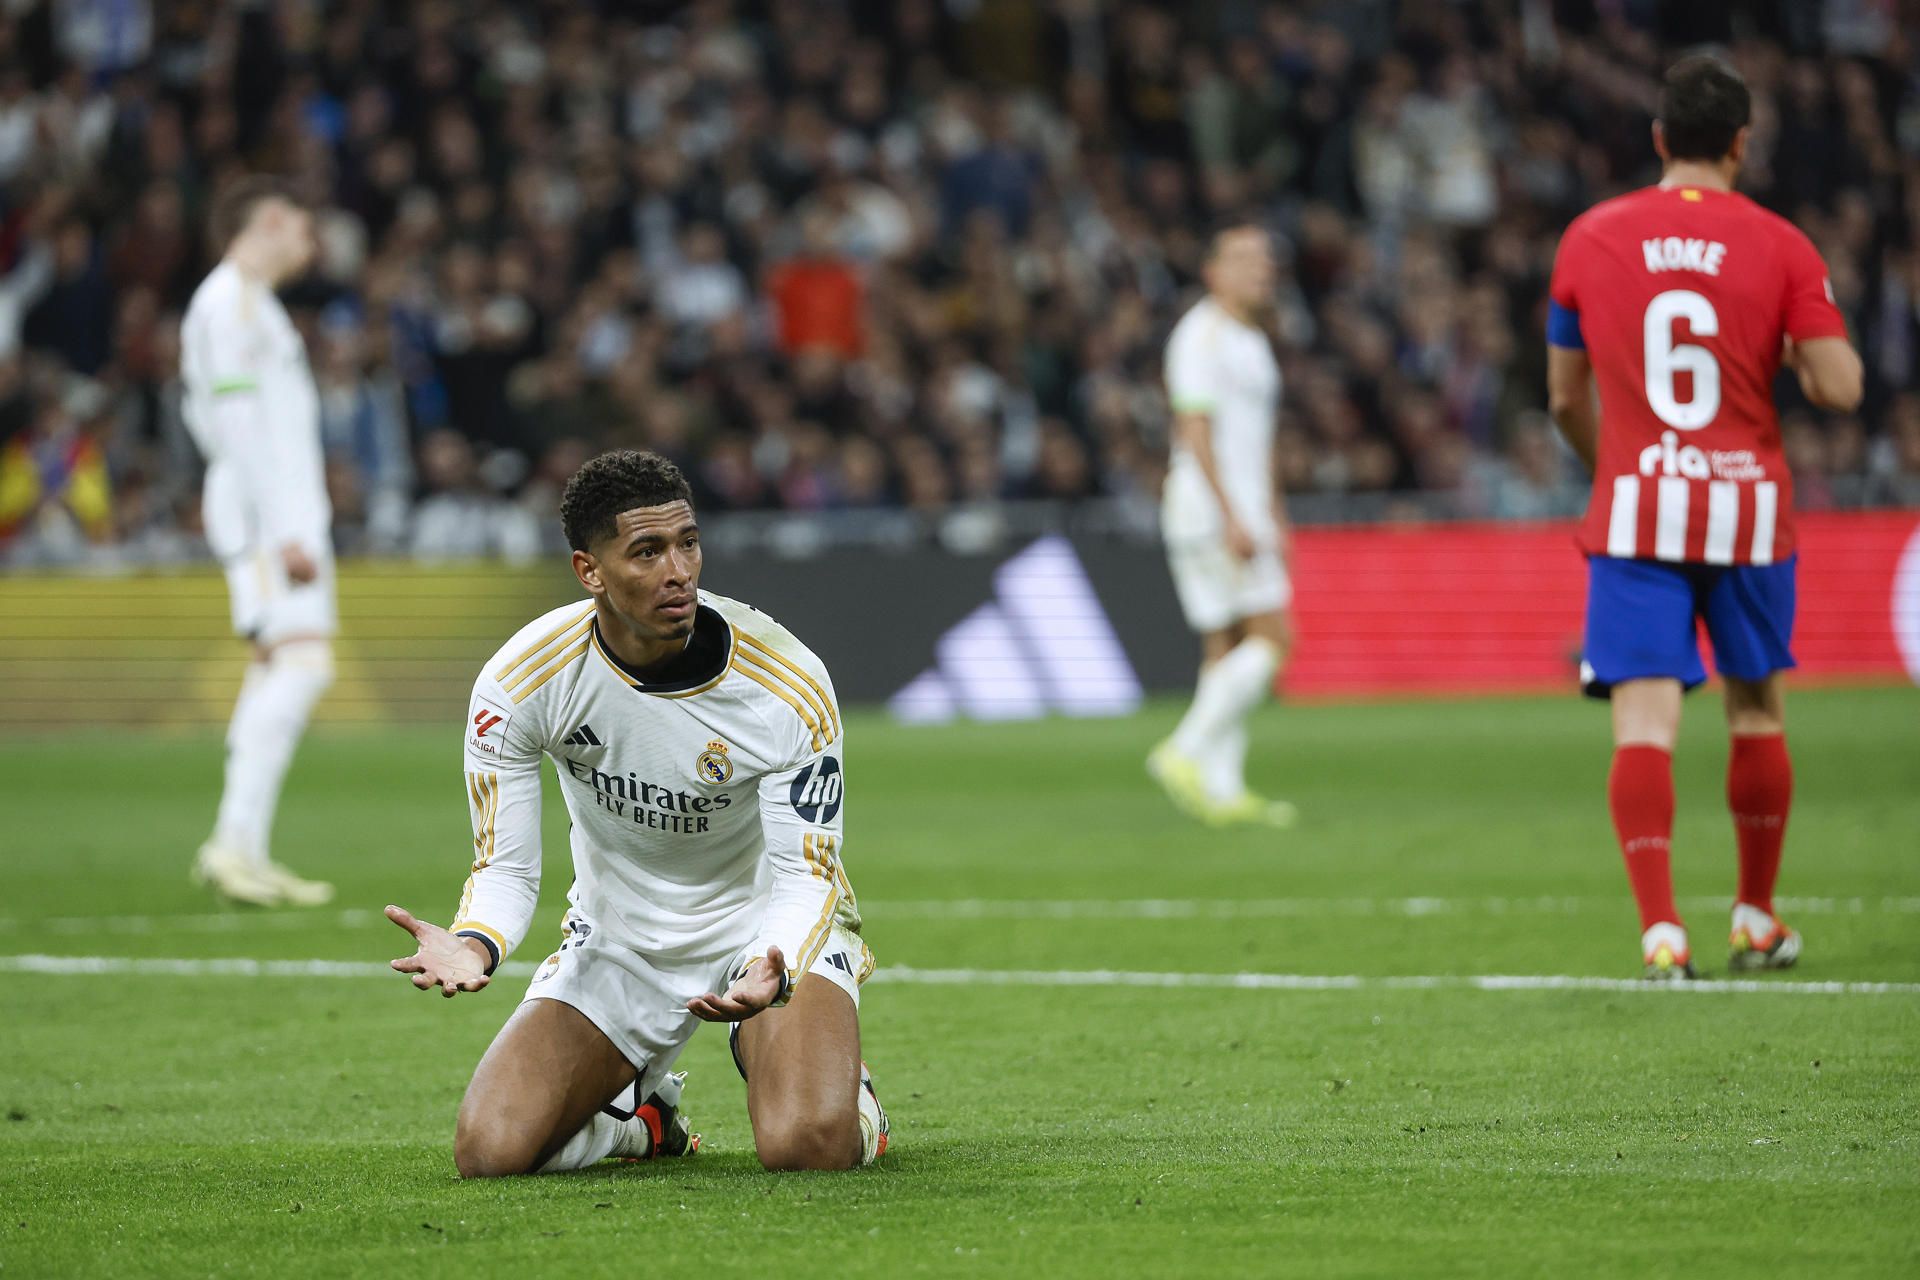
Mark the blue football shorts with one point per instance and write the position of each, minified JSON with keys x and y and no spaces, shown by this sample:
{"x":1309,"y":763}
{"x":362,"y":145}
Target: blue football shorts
{"x":1643,"y":621}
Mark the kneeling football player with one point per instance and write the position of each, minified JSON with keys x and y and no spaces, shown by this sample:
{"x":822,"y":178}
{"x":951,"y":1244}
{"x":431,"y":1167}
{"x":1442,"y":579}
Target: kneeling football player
{"x":697,"y":745}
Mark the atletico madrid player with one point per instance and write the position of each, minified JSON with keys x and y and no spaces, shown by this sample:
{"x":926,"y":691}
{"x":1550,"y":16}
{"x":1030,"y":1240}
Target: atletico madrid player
{"x":1679,"y":303}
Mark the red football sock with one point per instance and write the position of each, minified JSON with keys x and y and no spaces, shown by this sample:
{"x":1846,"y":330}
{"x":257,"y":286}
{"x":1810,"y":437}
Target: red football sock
{"x":1640,"y":793}
{"x":1759,"y":793}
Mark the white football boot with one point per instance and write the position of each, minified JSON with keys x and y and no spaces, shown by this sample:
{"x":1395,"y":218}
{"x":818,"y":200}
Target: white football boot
{"x":294,"y":890}
{"x":235,"y":876}
{"x":1664,"y":954}
{"x":873,"y":1119}
{"x":1760,"y":941}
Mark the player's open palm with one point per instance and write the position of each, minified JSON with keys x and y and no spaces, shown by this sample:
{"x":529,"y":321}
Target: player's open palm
{"x":440,"y":959}
{"x":749,"y":993}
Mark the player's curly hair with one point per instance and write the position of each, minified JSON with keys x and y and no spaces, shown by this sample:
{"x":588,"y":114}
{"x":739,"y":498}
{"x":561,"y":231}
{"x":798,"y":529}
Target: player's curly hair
{"x":1703,"y":104}
{"x":616,"y":482}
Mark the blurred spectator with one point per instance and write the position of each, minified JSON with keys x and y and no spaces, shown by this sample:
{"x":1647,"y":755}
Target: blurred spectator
{"x":55,"y":495}
{"x":74,"y":315}
{"x":363,"y":429}
{"x":458,"y":515}
{"x":837,"y":255}
{"x":816,"y":295}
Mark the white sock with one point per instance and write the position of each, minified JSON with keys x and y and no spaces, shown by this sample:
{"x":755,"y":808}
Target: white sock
{"x":597,"y":1140}
{"x":1225,"y":767}
{"x":1227,"y":691}
{"x":275,"y":700}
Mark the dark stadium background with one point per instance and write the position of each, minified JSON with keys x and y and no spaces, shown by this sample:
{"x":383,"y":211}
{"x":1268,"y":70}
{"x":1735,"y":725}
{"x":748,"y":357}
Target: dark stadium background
{"x":890,"y":281}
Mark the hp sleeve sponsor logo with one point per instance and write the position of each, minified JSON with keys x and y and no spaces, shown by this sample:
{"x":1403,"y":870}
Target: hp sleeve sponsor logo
{"x":816,"y":792}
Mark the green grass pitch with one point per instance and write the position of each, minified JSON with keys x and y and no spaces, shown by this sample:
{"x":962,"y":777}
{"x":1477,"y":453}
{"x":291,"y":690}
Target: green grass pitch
{"x":200,"y":1123}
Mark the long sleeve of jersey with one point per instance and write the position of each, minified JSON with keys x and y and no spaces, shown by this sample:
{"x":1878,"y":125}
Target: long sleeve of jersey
{"x":257,"y":404}
{"x":800,"y":810}
{"x":503,"y":796}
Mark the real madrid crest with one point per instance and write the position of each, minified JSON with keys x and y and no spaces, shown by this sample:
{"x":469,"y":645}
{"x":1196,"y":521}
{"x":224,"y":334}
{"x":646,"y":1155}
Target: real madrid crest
{"x":713,"y":766}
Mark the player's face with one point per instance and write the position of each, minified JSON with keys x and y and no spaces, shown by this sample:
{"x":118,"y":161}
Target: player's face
{"x":293,"y":238}
{"x":1242,"y":269}
{"x":649,"y":570}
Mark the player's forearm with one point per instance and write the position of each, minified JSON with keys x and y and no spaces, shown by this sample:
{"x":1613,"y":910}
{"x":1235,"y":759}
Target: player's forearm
{"x":496,"y":909}
{"x":1196,"y":436}
{"x":808,"y":889}
{"x":1580,"y":426}
{"x":1831,"y":374}
{"x":296,"y":507}
{"x":496,"y":906}
{"x":286,"y":493}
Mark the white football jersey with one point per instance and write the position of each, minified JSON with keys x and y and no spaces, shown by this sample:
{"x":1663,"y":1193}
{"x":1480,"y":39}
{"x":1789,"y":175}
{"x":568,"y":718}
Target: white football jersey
{"x":254,"y":413}
{"x":706,"y":806}
{"x":1224,"y":368}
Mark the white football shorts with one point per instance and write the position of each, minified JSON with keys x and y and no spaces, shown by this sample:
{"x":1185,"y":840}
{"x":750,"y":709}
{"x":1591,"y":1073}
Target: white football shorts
{"x":268,"y":607}
{"x":643,"y":1009}
{"x":1217,"y":588}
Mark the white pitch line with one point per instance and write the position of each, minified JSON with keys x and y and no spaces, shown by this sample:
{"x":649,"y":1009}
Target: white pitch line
{"x":240,"y":921}
{"x":1269,"y":908}
{"x":242,"y":967}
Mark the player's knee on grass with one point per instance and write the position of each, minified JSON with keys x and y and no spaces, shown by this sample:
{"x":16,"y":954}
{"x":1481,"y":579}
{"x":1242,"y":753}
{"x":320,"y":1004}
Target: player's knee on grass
{"x":486,"y":1147}
{"x":820,"y":1140}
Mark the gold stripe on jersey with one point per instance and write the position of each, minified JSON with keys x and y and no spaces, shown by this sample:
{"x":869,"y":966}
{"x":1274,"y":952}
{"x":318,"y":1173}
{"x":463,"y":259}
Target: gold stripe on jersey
{"x":548,"y":672}
{"x":614,"y":667}
{"x":840,"y":874}
{"x":822,"y":930}
{"x":574,"y":636}
{"x":477,"y":927}
{"x":489,"y":818}
{"x":779,"y":686}
{"x":829,"y":716}
{"x":483,"y":793}
{"x":559,"y":633}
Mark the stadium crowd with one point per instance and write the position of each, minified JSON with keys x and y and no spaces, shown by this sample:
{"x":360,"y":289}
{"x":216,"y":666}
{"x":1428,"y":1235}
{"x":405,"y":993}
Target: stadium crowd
{"x":882,"y":254}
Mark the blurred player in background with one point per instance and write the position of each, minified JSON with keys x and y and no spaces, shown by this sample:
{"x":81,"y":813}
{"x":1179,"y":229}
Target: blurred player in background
{"x":253,"y":412}
{"x":1224,"y":523}
{"x":1682,"y":301}
{"x":698,"y":749}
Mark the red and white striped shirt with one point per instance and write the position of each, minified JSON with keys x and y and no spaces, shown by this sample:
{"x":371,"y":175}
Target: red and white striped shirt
{"x":1682,"y":297}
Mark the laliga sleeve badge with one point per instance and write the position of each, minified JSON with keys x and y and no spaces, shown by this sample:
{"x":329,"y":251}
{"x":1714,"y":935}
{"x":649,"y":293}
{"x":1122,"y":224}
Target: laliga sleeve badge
{"x":713,"y":766}
{"x":486,"y":726}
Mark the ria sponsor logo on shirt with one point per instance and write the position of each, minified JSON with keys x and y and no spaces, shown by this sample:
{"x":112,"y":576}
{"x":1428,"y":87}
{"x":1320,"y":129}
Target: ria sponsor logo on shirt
{"x":1671,"y":458}
{"x":649,"y":804}
{"x":1674,"y":253}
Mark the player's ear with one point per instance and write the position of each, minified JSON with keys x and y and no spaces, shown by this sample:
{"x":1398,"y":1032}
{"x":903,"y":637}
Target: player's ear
{"x":1738,"y":151}
{"x":1660,"y":141}
{"x":587,"y":569}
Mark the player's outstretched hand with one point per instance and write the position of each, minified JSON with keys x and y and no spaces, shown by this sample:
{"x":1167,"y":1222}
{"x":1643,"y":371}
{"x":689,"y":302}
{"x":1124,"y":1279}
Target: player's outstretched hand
{"x":1239,"y":541}
{"x":441,"y":959}
{"x":299,"y":565}
{"x":751,"y":992}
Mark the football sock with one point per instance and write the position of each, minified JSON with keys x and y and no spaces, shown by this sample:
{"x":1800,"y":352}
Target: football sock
{"x":1759,"y":793}
{"x":1227,"y":691}
{"x":596,"y":1141}
{"x":275,"y":700}
{"x":1640,"y":793}
{"x":1225,"y":768}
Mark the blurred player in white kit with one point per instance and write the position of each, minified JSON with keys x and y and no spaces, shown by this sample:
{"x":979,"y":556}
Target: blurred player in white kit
{"x":253,"y":411}
{"x":1224,"y":522}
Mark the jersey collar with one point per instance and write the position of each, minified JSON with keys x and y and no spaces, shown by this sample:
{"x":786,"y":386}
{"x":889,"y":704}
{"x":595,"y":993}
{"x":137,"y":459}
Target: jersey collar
{"x":710,"y":659}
